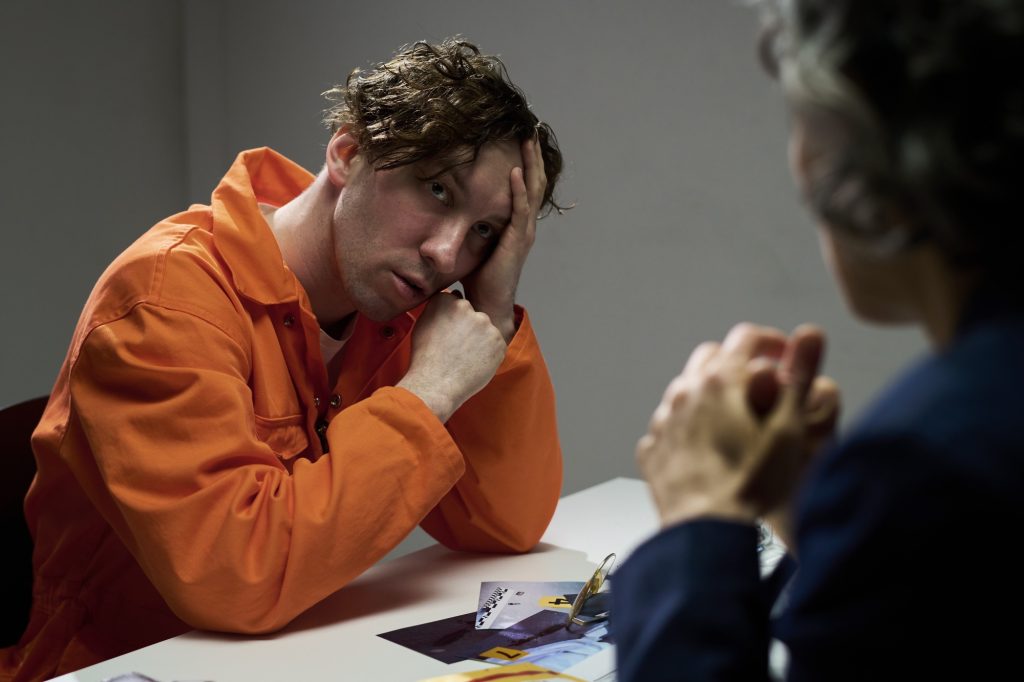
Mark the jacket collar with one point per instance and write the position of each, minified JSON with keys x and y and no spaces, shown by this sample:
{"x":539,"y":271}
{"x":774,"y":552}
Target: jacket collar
{"x":244,"y":238}
{"x":240,"y":231}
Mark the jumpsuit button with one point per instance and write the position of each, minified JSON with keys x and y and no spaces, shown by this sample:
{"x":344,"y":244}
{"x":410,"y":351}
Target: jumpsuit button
{"x":321,"y":432}
{"x":289,"y":320}
{"x":316,"y":401}
{"x":387,"y":332}
{"x":335,"y":401}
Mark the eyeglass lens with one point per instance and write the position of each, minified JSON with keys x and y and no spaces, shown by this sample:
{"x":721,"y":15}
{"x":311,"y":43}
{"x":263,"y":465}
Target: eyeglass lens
{"x":591,"y":604}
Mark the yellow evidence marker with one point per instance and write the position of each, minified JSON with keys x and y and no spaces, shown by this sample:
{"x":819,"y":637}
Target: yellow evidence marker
{"x":503,"y":653}
{"x":555,"y":602}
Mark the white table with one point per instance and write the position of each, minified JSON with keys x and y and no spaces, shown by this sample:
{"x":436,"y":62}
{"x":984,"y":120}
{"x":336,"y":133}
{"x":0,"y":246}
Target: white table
{"x":336,"y":639}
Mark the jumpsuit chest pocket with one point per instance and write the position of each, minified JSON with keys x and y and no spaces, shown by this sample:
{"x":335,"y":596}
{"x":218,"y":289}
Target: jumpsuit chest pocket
{"x":286,"y":436}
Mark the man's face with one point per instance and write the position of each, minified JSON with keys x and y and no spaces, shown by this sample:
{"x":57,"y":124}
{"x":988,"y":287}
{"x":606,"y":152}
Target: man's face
{"x":399,"y":237}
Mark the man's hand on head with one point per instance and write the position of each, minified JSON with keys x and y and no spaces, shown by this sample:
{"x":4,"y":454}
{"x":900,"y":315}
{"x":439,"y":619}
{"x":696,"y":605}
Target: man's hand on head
{"x":491,"y":288}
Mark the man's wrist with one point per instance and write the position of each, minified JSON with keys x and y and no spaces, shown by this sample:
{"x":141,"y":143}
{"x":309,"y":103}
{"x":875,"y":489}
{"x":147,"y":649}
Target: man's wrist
{"x":507,"y":329}
{"x":505,"y":321}
{"x":436,"y":402}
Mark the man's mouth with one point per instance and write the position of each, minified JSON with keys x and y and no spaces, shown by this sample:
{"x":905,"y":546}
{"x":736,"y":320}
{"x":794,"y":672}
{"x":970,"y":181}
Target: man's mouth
{"x":415,"y":282}
{"x":410,"y":287}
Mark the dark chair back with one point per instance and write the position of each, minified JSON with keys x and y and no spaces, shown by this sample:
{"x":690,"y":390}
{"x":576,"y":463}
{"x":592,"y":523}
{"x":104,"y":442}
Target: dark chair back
{"x":17,"y":423}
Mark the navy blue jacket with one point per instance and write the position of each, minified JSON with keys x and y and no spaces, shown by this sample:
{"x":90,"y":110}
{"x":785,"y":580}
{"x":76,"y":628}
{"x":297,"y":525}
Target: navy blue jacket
{"x":908,"y":531}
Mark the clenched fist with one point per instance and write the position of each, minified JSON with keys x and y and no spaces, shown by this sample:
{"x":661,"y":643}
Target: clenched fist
{"x":455,"y":351}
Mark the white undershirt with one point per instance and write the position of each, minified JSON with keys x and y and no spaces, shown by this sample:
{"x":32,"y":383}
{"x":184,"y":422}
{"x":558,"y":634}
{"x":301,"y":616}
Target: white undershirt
{"x":330,"y":346}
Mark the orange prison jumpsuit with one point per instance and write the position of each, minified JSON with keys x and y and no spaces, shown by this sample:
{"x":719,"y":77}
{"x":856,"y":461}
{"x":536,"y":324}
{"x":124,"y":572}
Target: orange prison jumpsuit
{"x":183,"y":476}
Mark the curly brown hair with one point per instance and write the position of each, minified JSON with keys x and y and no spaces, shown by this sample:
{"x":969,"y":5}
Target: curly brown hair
{"x":438,"y":103}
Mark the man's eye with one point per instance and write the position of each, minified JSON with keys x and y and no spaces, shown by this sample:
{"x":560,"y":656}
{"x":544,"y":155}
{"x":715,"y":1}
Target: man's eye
{"x":484,"y":230}
{"x":439,"y":191}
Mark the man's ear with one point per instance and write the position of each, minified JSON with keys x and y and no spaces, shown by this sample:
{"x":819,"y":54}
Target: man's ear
{"x":341,"y":153}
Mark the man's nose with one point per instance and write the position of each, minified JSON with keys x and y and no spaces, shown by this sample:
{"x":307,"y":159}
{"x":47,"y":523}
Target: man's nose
{"x":442,"y":246}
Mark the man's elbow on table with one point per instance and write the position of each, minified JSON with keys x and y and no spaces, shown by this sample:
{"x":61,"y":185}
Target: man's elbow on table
{"x":512,"y":533}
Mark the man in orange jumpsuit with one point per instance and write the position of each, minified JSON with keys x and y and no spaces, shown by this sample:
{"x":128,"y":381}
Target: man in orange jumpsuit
{"x":266,"y":394}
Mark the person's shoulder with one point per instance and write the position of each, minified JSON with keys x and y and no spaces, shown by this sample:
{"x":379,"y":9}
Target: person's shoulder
{"x":941,"y":442}
{"x":137,"y":263}
{"x":963,"y":402}
{"x":905,"y":525}
{"x":176,"y":259}
{"x":948,"y":425}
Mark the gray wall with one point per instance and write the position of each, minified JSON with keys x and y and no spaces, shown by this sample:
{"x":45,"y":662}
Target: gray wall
{"x":116,"y":113}
{"x":91,"y":123}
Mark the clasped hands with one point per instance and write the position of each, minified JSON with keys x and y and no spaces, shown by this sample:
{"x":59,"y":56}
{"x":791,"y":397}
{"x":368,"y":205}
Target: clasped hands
{"x":734,"y":432}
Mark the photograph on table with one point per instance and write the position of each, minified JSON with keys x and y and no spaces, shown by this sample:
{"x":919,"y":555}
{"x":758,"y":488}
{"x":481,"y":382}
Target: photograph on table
{"x":505,"y":603}
{"x":542,"y":638}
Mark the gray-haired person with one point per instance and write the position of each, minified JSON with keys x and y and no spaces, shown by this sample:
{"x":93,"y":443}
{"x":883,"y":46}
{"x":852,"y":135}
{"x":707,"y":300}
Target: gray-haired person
{"x":907,"y":144}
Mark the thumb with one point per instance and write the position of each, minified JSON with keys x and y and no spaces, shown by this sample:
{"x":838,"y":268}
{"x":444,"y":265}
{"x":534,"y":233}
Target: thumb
{"x":801,"y":360}
{"x":821,"y":409}
{"x":798,"y":371}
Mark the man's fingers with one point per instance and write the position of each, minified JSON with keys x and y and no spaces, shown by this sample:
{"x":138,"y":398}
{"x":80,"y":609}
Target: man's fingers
{"x":527,"y":183}
{"x":520,"y":200}
{"x":533,"y":168}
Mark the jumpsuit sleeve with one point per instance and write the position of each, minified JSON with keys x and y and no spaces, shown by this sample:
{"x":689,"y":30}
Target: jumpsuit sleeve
{"x":508,"y":435}
{"x":689,"y":605}
{"x":876,"y":596}
{"x":162,"y":437}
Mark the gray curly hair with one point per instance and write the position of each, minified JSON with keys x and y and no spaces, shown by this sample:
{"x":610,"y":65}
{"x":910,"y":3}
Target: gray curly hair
{"x":921,"y":115}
